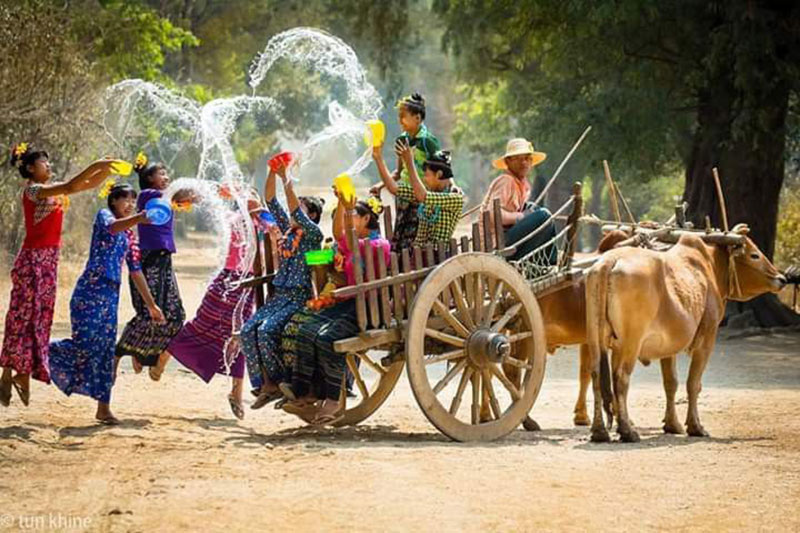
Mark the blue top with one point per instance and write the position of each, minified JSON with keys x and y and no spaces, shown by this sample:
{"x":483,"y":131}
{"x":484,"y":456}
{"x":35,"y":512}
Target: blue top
{"x":151,"y":236}
{"x":108,"y":250}
{"x":293,"y":271}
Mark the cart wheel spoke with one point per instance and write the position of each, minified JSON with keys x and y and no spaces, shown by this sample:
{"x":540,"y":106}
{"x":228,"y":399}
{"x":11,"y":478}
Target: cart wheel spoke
{"x":351,"y":364}
{"x":370,"y":363}
{"x":516,"y":337}
{"x":449,"y":376}
{"x":476,"y":398}
{"x":461,"y":304}
{"x":444,"y":337}
{"x":516,"y":362}
{"x":514,"y":391}
{"x":507,"y":317}
{"x":498,"y":291}
{"x":448,"y":317}
{"x":456,"y":403}
{"x":487,"y":385}
{"x":477,"y":304}
{"x":447,"y":356}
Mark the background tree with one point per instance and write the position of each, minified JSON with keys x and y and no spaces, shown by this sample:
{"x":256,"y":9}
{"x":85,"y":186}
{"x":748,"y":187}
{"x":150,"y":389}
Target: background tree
{"x":697,"y":83}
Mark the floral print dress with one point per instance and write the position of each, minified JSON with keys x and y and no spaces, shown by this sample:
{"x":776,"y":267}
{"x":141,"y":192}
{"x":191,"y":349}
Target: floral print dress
{"x":84,"y":363}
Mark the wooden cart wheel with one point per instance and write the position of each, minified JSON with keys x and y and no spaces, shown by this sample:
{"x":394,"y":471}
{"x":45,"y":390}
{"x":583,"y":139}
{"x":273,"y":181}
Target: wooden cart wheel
{"x":473,"y":316}
{"x":373,"y":383}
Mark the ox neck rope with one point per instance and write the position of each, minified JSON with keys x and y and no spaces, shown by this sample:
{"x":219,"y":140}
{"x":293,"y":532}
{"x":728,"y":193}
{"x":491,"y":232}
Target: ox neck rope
{"x":734,"y":289}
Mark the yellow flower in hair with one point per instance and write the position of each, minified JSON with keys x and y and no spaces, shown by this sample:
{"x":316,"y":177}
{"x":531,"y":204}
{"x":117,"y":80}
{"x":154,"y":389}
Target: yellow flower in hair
{"x":20,"y":149}
{"x":64,"y":200}
{"x":374,"y":203}
{"x":106,"y":189}
{"x":140,"y":161}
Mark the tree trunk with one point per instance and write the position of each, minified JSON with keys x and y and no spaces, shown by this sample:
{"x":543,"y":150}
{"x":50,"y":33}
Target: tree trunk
{"x":750,"y":159}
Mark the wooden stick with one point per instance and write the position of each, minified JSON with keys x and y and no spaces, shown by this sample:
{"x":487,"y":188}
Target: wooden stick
{"x":721,"y":199}
{"x":612,"y":193}
{"x":561,"y":166}
{"x":624,"y":203}
{"x":469,"y":211}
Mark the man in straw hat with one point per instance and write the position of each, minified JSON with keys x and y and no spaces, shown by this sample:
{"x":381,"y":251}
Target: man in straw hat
{"x":513,"y":190}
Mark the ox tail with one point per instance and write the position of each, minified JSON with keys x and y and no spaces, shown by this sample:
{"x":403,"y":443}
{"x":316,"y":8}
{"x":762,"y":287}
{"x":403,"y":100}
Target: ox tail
{"x":597,"y":332}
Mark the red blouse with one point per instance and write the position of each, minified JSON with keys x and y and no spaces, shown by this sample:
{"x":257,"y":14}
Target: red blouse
{"x":43,"y":219}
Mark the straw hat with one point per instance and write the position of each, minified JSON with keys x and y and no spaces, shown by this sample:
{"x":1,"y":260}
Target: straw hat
{"x":519,"y":147}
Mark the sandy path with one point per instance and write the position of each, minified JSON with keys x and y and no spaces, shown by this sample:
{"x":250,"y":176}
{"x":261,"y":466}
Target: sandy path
{"x":180,"y":462}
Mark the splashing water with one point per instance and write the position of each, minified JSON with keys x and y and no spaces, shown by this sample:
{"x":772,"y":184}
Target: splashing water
{"x":320,"y":52}
{"x":139,"y":111}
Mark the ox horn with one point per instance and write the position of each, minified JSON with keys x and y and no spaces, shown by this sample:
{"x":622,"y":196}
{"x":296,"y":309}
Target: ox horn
{"x":741,"y":228}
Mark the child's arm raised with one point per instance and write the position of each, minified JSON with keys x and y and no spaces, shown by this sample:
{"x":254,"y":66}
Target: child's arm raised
{"x":288,"y":188}
{"x":389,"y":180}
{"x":90,"y":177}
{"x":269,"y":186}
{"x":342,"y":209}
{"x":404,"y":151}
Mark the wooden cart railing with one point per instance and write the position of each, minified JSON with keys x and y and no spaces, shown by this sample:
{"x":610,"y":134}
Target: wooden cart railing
{"x":384,"y":299}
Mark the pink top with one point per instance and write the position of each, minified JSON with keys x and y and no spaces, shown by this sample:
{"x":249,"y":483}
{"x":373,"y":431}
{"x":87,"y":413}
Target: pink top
{"x":237,"y":249}
{"x":376,"y":245}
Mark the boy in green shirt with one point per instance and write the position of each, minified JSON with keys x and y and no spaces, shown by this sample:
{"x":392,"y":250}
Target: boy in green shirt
{"x":423,"y":144}
{"x":438,"y":207}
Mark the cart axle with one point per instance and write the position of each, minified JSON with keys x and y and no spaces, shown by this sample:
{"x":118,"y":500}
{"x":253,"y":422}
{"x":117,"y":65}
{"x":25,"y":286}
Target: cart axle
{"x":485,"y":346}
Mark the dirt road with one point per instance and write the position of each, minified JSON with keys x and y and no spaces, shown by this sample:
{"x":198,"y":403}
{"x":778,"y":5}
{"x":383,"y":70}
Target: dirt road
{"x":181,"y":462}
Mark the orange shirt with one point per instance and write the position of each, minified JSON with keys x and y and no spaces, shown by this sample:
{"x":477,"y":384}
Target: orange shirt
{"x":512,"y":192}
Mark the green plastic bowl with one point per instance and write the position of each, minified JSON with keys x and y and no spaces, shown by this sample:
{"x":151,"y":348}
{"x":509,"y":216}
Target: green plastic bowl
{"x":319,"y":257}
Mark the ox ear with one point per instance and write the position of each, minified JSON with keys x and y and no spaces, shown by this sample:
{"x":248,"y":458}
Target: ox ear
{"x":741,"y":229}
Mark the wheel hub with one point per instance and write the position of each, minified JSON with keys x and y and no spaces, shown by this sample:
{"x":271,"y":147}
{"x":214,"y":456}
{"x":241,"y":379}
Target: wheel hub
{"x":485,"y":346}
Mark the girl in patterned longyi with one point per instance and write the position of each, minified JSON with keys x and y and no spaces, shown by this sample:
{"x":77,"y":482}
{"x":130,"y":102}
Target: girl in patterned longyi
{"x":84,"y":364}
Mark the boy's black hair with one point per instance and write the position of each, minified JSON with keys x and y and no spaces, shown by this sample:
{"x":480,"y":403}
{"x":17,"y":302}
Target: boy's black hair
{"x":120,"y":190}
{"x":22,"y":156}
{"x":364,"y":209}
{"x":414,"y":104}
{"x":314,"y":205}
{"x":441,"y":160}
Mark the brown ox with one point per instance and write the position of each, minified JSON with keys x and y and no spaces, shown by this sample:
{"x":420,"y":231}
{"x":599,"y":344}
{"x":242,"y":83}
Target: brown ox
{"x":564,"y":316}
{"x":652,"y":305}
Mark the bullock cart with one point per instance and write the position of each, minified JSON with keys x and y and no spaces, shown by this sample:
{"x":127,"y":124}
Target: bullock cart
{"x":461,"y":317}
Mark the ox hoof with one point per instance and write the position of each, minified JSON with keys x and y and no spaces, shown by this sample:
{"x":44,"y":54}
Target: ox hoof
{"x":628,"y":435}
{"x":530,"y":424}
{"x":673,"y":428}
{"x":696,"y":431}
{"x":600,"y":435}
{"x":581,"y":419}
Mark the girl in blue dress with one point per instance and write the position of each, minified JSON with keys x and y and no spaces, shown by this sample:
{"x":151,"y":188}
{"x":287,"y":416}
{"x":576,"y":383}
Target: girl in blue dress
{"x":260,"y":337}
{"x":84,"y":364}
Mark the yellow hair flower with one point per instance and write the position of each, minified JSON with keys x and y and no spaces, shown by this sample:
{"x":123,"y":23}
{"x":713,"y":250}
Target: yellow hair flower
{"x":106,"y":189}
{"x":64,"y":199}
{"x":140,"y":161}
{"x":374,"y":203}
{"x":185,"y":207}
{"x":20,"y":149}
